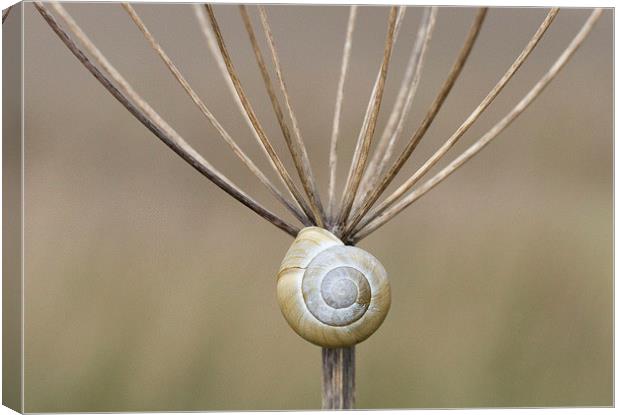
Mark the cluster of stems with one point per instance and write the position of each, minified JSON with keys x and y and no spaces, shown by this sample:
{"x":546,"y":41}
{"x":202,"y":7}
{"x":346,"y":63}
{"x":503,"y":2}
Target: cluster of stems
{"x":358,"y":212}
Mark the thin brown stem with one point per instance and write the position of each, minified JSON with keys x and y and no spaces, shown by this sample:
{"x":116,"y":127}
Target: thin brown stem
{"x":400,"y":111}
{"x":338,"y":382}
{"x":264,"y":141}
{"x":203,"y":21}
{"x":209,"y":115}
{"x":6,"y":12}
{"x":153,"y":122}
{"x":490,"y":135}
{"x":426,"y":122}
{"x":360,"y":156}
{"x":333,"y":143}
{"x":297,"y":146}
{"x":297,"y":155}
{"x":214,"y":49}
{"x":514,"y":67}
{"x":361,"y":189}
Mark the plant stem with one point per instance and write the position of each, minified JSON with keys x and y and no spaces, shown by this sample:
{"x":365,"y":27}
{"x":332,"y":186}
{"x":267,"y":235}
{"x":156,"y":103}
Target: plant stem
{"x":339,"y":378}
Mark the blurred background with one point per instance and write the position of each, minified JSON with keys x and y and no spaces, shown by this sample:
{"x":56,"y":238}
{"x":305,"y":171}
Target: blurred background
{"x":148,"y":288}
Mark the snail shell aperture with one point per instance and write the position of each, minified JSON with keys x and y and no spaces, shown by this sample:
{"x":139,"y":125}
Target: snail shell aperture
{"x":332,"y":295}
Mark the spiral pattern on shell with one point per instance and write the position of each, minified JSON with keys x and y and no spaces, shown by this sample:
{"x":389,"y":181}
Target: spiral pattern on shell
{"x":332,"y":295}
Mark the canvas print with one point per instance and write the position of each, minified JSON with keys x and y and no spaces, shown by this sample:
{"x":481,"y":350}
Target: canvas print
{"x":281,"y":207}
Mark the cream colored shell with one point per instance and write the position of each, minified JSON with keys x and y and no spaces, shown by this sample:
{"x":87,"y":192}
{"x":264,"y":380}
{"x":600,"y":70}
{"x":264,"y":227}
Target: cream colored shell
{"x":332,"y":295}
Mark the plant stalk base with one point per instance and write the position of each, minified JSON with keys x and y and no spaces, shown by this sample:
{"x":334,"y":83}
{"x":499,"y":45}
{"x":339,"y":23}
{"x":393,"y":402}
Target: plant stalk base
{"x":339,"y":378}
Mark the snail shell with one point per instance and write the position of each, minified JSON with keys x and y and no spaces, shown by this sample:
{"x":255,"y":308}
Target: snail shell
{"x":332,"y":295}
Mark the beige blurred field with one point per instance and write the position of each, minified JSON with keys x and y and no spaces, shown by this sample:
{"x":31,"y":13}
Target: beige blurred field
{"x":148,"y":288}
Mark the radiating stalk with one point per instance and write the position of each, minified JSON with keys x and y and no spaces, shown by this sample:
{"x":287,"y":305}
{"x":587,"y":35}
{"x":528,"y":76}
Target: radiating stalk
{"x":433,"y":110}
{"x":360,"y":157}
{"x":333,"y":143}
{"x":489,"y":136}
{"x":434,"y":159}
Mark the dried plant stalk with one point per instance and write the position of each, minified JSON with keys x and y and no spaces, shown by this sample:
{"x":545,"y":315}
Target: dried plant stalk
{"x":297,"y":147}
{"x":260,"y":60}
{"x":214,"y":49}
{"x":297,"y":150}
{"x":361,"y":154}
{"x":366,"y":180}
{"x":370,"y":199}
{"x":142,"y":111}
{"x":338,"y":382}
{"x":333,"y":143}
{"x":275,"y":104}
{"x":362,"y":186}
{"x":490,"y":135}
{"x":514,"y":67}
{"x":273,"y":156}
{"x":203,"y":22}
{"x":402,"y":106}
{"x":210,"y":117}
